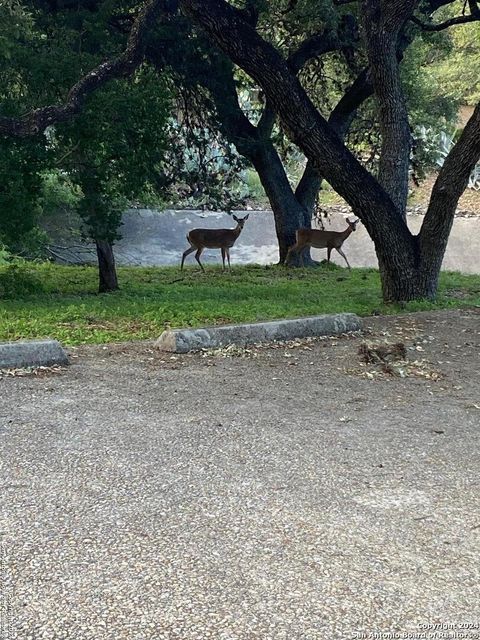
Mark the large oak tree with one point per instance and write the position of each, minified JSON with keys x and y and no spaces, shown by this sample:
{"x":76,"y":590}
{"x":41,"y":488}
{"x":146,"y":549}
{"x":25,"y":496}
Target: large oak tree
{"x":409,"y":264}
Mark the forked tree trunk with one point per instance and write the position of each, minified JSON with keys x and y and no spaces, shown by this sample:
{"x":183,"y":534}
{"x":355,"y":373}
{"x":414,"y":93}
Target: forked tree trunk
{"x":383,"y":22}
{"x":414,"y":275}
{"x":415,"y":283}
{"x":107,"y":274}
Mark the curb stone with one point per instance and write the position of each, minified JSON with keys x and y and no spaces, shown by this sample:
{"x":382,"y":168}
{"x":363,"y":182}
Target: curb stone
{"x":184,"y":340}
{"x":31,"y":353}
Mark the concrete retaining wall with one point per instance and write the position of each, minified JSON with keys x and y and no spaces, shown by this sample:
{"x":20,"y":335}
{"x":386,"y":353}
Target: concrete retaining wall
{"x":183,"y":340}
{"x":31,"y":353}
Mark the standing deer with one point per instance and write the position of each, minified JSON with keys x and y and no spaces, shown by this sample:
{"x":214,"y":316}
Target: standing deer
{"x":320,"y":239}
{"x":223,"y":239}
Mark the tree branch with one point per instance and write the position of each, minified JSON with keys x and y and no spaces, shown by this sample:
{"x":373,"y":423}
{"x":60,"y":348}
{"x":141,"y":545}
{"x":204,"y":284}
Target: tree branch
{"x":429,"y":26}
{"x":434,"y":5}
{"x":340,"y":120}
{"x":267,"y":120}
{"x":123,"y":65}
{"x":325,"y":42}
{"x":346,"y":108}
{"x":312,"y":47}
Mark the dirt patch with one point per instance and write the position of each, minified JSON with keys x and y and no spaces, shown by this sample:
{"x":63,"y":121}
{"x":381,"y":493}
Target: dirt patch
{"x":469,"y":201}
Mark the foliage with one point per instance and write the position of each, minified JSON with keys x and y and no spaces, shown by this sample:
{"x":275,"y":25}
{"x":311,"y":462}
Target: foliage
{"x":15,"y":23}
{"x":439,"y":144}
{"x":153,"y":298}
{"x":114,"y":149}
{"x":21,"y":164}
{"x":5,"y":255}
{"x":457,"y":74}
{"x":19,"y":279}
{"x":200,"y":168}
{"x":328,"y":76}
{"x":108,"y":153}
{"x":58,"y":192}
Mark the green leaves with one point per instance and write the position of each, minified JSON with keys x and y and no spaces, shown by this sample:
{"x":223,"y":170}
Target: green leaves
{"x":20,"y":165}
{"x":113,"y":149}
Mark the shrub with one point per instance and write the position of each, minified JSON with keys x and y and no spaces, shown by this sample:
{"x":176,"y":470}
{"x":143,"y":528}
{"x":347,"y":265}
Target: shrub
{"x":17,"y":279}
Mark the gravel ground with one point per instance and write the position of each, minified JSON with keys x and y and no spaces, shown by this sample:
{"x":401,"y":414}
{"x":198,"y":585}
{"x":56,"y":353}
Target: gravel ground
{"x":278,"y":493}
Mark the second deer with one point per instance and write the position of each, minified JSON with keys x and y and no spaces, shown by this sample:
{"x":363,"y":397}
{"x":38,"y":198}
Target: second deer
{"x":321,"y":239}
{"x":223,"y":239}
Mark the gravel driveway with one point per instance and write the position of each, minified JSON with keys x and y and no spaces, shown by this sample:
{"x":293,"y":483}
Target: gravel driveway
{"x":284,"y":493}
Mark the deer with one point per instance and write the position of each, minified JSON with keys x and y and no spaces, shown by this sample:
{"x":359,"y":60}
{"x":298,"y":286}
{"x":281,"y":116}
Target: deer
{"x":223,"y":239}
{"x":321,"y":239}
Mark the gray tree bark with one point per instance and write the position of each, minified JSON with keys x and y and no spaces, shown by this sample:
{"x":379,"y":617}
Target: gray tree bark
{"x":107,"y":274}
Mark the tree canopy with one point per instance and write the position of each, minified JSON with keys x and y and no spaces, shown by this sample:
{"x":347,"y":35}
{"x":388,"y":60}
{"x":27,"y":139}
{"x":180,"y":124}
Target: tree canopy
{"x":332,"y":76}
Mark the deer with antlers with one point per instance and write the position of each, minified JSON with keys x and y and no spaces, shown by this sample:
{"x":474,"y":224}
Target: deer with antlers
{"x":223,"y":239}
{"x":321,"y":239}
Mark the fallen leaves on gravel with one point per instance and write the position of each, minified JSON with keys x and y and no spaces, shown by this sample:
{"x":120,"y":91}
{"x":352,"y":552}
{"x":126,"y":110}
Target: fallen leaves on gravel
{"x":252,"y":351}
{"x":380,"y":360}
{"x":30,"y":371}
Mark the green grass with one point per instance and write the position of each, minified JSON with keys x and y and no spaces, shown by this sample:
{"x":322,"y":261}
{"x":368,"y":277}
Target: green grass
{"x":151,"y":299}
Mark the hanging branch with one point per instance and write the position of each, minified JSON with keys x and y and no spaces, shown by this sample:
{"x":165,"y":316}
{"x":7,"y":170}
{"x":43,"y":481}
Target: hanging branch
{"x":473,"y":16}
{"x":123,"y":65}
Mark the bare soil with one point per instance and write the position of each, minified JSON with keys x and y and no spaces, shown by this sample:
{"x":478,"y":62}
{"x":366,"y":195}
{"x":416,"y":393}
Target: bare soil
{"x":469,"y":201}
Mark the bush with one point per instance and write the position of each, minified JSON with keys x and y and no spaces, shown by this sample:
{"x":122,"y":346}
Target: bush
{"x":4,"y":255}
{"x":17,"y":279}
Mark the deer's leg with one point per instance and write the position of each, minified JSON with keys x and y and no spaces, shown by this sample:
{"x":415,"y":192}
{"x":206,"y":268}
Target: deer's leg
{"x":301,"y":253}
{"x":344,"y":256}
{"x":329,"y":253}
{"x":227,"y":250}
{"x":185,"y":254}
{"x":197,"y":257}
{"x":223,"y":257}
{"x":293,"y":249}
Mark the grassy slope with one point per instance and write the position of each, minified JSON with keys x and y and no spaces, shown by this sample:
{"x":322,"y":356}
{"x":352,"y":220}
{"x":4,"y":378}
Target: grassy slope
{"x":153,"y":298}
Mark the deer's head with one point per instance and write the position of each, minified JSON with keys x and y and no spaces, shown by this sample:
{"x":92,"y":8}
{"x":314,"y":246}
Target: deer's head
{"x":241,"y":221}
{"x":353,"y":223}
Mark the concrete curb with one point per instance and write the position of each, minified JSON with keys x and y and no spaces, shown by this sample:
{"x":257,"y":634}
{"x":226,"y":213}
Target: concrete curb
{"x":31,"y":353}
{"x":184,"y":340}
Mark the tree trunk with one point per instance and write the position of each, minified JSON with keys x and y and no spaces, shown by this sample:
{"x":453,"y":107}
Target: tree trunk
{"x":418,"y":279}
{"x":383,"y":22}
{"x":416,"y":286}
{"x":308,"y":189}
{"x":288,"y":213}
{"x":107,"y":274}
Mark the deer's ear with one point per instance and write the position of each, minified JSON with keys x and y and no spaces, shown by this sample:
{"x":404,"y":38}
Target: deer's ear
{"x":246,"y":217}
{"x":235,"y":218}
